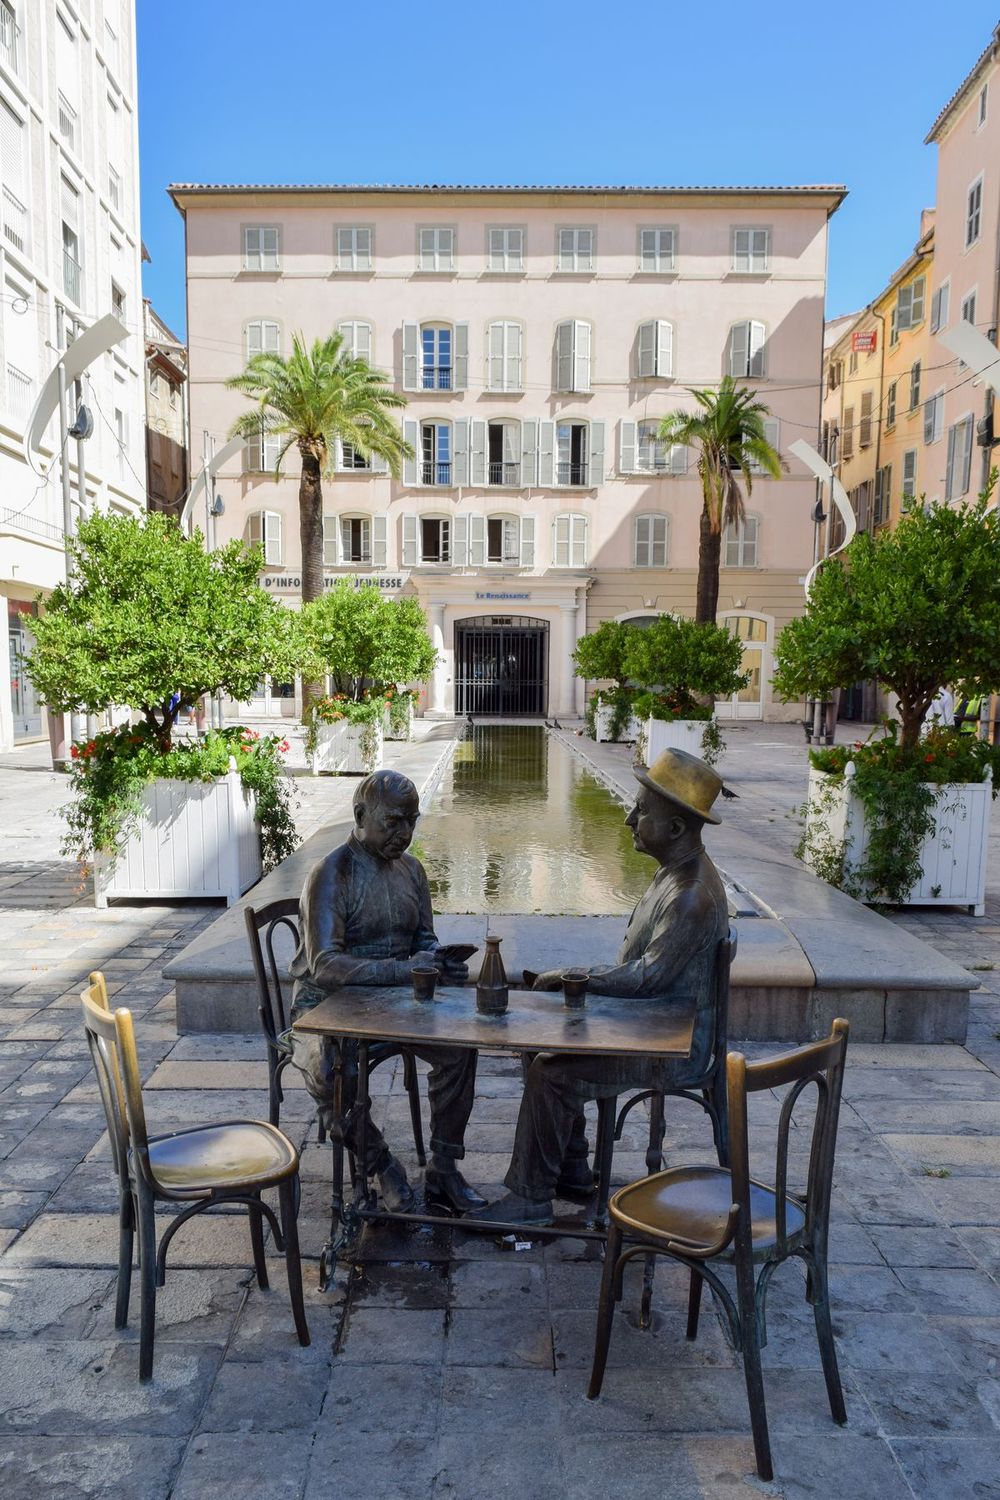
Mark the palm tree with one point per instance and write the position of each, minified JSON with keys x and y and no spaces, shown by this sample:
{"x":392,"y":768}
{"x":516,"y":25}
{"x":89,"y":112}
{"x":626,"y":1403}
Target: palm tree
{"x":728,"y":430}
{"x":310,"y":400}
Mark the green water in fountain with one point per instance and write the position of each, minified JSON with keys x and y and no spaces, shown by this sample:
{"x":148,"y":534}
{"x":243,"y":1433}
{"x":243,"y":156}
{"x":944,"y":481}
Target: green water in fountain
{"x":519,"y":825}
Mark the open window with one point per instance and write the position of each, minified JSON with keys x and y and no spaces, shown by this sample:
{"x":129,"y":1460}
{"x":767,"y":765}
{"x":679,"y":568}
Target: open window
{"x":435,"y":356}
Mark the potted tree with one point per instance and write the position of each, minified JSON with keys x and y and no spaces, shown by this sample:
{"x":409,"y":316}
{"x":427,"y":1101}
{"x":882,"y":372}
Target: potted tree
{"x":151,"y":621}
{"x":685,"y":666}
{"x":369,"y":647}
{"x":600,"y":656}
{"x":904,"y":818}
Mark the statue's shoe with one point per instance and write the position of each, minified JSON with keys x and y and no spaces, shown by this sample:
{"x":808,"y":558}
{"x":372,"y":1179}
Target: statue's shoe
{"x":397,"y":1194}
{"x":449,"y":1191}
{"x":576,"y":1181}
{"x":513,"y":1209}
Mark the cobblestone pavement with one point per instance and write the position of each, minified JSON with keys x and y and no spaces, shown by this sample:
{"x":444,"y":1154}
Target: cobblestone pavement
{"x":441,"y":1367}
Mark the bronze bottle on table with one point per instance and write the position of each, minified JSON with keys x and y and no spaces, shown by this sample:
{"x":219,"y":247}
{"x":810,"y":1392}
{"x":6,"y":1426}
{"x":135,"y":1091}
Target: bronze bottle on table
{"x":491,"y":986}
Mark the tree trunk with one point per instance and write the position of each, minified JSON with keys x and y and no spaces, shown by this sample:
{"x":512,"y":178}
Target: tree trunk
{"x":911,"y":718}
{"x":709,"y":552}
{"x":311,"y":543}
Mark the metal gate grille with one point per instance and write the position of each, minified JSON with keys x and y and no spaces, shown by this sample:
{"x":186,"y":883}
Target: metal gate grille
{"x":501,"y":666}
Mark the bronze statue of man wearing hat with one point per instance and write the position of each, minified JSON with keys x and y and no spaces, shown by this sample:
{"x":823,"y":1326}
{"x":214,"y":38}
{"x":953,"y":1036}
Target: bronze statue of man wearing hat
{"x":668,"y":954}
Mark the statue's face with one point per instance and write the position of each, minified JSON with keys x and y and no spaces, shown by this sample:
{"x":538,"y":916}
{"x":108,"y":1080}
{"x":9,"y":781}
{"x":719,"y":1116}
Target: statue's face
{"x":387,"y":828}
{"x":655,"y":825}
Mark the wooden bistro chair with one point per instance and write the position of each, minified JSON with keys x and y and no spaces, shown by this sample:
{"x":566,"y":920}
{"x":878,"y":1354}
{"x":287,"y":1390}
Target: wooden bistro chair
{"x":207,"y":1166}
{"x":703,"y":1216}
{"x":274,"y":1015}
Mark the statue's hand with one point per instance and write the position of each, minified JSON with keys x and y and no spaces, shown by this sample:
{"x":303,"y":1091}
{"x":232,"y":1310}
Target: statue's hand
{"x":550,"y":980}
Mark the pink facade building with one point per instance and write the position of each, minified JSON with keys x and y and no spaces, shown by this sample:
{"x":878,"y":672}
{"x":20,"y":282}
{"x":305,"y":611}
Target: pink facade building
{"x":539,"y":335}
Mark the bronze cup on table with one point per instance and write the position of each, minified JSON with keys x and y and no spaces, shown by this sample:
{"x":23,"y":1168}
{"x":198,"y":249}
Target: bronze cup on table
{"x":574,"y":988}
{"x":425,"y":980}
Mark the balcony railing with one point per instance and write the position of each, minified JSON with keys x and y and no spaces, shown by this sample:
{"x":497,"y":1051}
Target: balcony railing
{"x":436,"y":377}
{"x":19,"y":389}
{"x":15,"y":221}
{"x":10,"y":39}
{"x":506,"y":474}
{"x":72,"y":277}
{"x":572,"y":473}
{"x":435,"y":473}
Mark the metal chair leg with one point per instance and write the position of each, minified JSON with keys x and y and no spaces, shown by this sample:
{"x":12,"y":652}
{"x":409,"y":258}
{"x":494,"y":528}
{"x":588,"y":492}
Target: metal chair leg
{"x":827,"y":1347}
{"x":605,"y":1312}
{"x":257,"y":1241}
{"x":126,"y":1241}
{"x":694,"y":1304}
{"x":287,"y":1198}
{"x":654,"y":1163}
{"x":753,"y":1374}
{"x":604,"y":1150}
{"x":147,"y":1284}
{"x":412,"y":1086}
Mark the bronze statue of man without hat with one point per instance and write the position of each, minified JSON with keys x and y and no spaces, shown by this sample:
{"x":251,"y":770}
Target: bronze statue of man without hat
{"x":668,"y":954}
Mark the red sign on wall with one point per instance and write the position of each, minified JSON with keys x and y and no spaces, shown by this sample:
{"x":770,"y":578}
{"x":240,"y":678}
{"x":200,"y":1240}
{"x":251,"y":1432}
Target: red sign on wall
{"x":864,"y":343}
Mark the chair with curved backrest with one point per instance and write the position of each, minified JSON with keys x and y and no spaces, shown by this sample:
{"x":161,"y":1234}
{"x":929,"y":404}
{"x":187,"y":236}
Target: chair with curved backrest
{"x":703,"y":1214}
{"x":274,"y":1014}
{"x":208,"y":1166}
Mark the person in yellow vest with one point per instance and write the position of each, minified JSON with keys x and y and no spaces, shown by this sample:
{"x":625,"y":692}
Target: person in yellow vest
{"x":967,"y":713}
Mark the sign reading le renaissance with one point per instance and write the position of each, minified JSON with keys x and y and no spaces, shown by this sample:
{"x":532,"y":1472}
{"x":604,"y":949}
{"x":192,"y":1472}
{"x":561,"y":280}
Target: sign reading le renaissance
{"x":291,"y":583}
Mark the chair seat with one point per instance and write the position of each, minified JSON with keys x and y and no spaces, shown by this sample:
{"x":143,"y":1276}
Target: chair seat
{"x":240,"y":1153}
{"x":693,"y":1203}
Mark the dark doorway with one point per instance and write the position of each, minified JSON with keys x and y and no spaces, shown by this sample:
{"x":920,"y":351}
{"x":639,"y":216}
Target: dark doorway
{"x":501,"y":666}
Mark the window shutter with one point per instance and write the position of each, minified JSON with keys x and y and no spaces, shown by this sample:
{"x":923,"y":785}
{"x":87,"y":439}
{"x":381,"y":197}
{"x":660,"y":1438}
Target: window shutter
{"x":255,"y":528}
{"x":546,"y":453}
{"x":910,"y":472}
{"x":12,"y":150}
{"x":477,"y":541}
{"x":446,"y":249}
{"x":929,"y":421}
{"x":966,"y":469}
{"x":581,"y":353}
{"x":478,"y":467}
{"x":460,"y":452}
{"x":529,"y":453}
{"x":741,"y":249}
{"x":647,"y":250}
{"x":596,"y":454}
{"x":949,"y":483}
{"x":272,"y":538}
{"x":427,"y":243}
{"x":409,"y":541}
{"x":664,"y":348}
{"x":772,"y":433}
{"x":658,"y":542}
{"x":560,"y":541}
{"x":757,"y":350}
{"x":411,"y":344}
{"x":567,"y":242}
{"x":461,"y":371}
{"x":511,"y":443}
{"x":677,"y":462}
{"x":865,"y":423}
{"x":643,"y":527}
{"x":739,"y":336}
{"x":527,"y":541}
{"x":626,"y":446}
{"x":411,"y":435}
{"x":904,"y":307}
{"x":254,"y":339}
{"x":513,"y":380}
{"x":498,"y":243}
{"x":460,"y":542}
{"x":379,"y":544}
{"x":363,"y":249}
{"x":917,"y":307}
{"x":379,"y":464}
{"x":564,"y":357}
{"x":329,"y":541}
{"x":759,"y":250}
{"x":515,"y":249}
{"x":751,"y":532}
{"x":578,"y":548}
{"x":495,"y":356}
{"x":847,"y":435}
{"x":647,"y":350}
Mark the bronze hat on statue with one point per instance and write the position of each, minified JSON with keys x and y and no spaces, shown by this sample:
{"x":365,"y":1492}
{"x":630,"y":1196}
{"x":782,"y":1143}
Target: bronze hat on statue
{"x":684,"y":779}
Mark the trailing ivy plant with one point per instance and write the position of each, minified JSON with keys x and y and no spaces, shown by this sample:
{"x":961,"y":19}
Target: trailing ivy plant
{"x":338,"y":709}
{"x":109,"y":772}
{"x":400,"y":703}
{"x":619,"y":702}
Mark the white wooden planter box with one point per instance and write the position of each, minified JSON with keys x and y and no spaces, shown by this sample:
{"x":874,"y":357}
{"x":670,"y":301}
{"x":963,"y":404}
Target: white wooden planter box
{"x":602,"y":725}
{"x":674,"y":734}
{"x":338,"y":749}
{"x":195,"y":838}
{"x":953,"y":855}
{"x":406,"y":730}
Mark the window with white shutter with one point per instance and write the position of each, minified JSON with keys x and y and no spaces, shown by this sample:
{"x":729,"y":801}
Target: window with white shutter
{"x":436,"y":247}
{"x":890,"y":405}
{"x":910,"y":304}
{"x":265,"y":531}
{"x":934,"y":417}
{"x":261,"y":247}
{"x":13,"y":141}
{"x":435,"y":539}
{"x":356,"y":539}
{"x":973,"y":212}
{"x":261,"y":337}
{"x":655,"y":350}
{"x":939,"y":306}
{"x":260,"y":454}
{"x":969,"y":308}
{"x":502,"y":454}
{"x":847,"y":436}
{"x":650,"y":542}
{"x":569,"y":541}
{"x":357,"y":340}
{"x":505,"y":247}
{"x":914,"y":385}
{"x":504,"y":357}
{"x":739,"y":543}
{"x":574,"y":248}
{"x":436,"y":453}
{"x":573,"y":455}
{"x":909,"y":473}
{"x":772,"y":435}
{"x":751,"y":249}
{"x":865,"y":420}
{"x":352,"y":460}
{"x":748,"y":350}
{"x":657,"y":248}
{"x":354,"y":247}
{"x":959,"y":464}
{"x":652,"y":456}
{"x":503,"y":540}
{"x":331,"y":556}
{"x":572,"y":361}
{"x":443,"y":356}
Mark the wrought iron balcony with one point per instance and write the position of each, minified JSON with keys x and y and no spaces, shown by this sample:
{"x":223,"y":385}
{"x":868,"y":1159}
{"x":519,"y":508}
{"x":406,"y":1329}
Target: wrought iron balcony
{"x":436,"y":377}
{"x":505,"y":474}
{"x":436,"y":473}
{"x":572,"y":473}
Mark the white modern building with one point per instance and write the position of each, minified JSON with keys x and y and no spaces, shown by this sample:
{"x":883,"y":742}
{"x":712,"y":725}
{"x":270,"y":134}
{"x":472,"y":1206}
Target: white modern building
{"x":69,"y":254}
{"x":539,"y":335}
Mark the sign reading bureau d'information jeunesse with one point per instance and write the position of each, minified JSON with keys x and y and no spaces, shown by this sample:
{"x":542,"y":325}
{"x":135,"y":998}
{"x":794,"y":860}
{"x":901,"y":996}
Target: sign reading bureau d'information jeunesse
{"x":291,"y":583}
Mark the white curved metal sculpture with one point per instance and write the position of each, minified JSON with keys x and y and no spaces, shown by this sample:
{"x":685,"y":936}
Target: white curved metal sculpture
{"x":818,"y":465}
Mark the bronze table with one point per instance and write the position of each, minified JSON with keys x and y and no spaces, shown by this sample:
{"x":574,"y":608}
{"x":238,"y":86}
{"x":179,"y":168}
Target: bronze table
{"x":535,"y":1021}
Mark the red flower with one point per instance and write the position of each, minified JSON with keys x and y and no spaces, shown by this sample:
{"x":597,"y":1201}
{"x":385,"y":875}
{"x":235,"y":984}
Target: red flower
{"x":74,"y":751}
{"x":928,"y":758}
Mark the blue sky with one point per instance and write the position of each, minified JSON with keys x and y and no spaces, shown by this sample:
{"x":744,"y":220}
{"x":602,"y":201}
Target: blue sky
{"x":309,"y":91}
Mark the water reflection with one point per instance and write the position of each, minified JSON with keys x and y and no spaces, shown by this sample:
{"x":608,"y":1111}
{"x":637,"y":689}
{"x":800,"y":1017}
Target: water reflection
{"x":519,"y":826}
